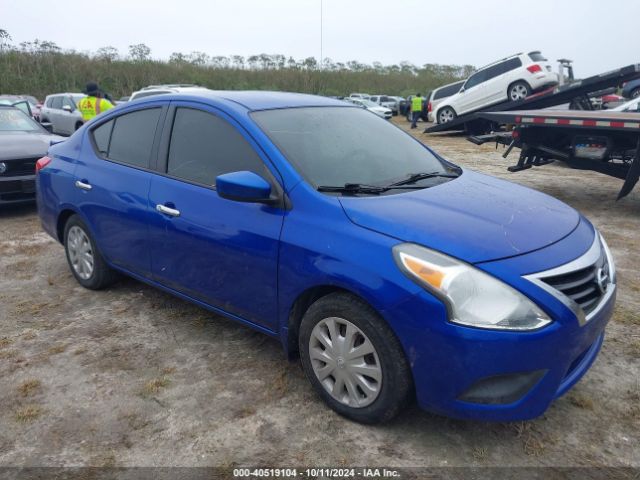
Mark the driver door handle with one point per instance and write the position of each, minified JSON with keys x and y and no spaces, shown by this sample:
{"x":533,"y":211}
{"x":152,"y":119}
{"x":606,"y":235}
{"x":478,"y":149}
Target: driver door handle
{"x":83,"y":185}
{"x":168,"y":210}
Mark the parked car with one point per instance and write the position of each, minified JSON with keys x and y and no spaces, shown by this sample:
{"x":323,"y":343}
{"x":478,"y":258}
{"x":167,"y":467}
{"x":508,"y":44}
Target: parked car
{"x":379,"y":110}
{"x":631,"y":89}
{"x":439,"y":94}
{"x":392,"y":272}
{"x":61,"y":110}
{"x":510,"y":79}
{"x":26,"y":103}
{"x":386,"y":101}
{"x":162,"y":89}
{"x":22,"y":142}
{"x":363,"y":96}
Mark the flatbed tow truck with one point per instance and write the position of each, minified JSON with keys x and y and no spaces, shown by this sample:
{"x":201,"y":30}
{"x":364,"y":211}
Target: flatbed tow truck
{"x":577,"y":94}
{"x":602,"y":141}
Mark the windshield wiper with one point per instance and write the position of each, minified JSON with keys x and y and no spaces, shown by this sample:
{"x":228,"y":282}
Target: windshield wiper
{"x":416,"y":177}
{"x":361,"y":188}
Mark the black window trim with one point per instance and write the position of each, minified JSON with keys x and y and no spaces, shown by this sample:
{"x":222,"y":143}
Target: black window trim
{"x":165,"y":141}
{"x":153,"y":160}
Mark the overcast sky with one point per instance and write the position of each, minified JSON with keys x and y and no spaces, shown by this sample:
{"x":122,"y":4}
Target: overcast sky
{"x":597,"y":35}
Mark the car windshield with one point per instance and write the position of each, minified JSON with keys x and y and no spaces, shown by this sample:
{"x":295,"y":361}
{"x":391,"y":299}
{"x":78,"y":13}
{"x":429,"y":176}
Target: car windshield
{"x":14,"y":120}
{"x":334,"y":146}
{"x":77,"y":98}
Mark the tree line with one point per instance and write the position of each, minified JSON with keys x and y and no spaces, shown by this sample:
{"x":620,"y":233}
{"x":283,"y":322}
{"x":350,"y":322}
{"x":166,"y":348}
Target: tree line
{"x":41,"y":67}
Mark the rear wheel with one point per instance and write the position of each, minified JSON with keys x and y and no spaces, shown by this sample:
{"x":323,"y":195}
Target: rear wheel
{"x":353,"y":359}
{"x":446,"y":114}
{"x":84,"y":258}
{"x":519,"y":91}
{"x":635,"y":93}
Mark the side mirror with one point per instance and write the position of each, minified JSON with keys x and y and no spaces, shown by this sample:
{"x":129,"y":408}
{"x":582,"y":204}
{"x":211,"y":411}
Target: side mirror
{"x":67,"y":108}
{"x":244,"y":187}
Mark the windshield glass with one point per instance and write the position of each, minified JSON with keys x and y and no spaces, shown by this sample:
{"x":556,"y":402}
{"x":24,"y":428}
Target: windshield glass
{"x":13,"y":120}
{"x":340,"y":145}
{"x":77,"y":98}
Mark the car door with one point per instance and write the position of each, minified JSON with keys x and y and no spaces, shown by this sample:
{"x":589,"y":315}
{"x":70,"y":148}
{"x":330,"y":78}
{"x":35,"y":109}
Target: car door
{"x":68,"y":118}
{"x":54,"y":114}
{"x":474,"y":90}
{"x":221,"y":252}
{"x":112,"y":179}
{"x":494,"y":85}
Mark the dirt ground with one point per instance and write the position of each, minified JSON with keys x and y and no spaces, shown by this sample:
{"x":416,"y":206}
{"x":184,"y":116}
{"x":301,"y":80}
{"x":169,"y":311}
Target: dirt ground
{"x":132,"y":376}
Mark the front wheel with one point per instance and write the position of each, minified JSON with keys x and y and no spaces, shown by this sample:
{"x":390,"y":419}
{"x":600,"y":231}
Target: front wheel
{"x":446,"y":115}
{"x":635,"y":93}
{"x":353,"y":359}
{"x":519,"y":91}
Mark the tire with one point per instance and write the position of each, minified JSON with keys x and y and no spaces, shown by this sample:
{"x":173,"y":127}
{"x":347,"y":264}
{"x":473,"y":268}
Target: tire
{"x":79,"y":246}
{"x":518,"y":91}
{"x":635,"y":93}
{"x":390,"y":386}
{"x":446,"y":115}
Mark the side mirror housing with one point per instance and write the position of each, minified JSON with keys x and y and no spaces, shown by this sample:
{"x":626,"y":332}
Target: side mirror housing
{"x":244,"y":187}
{"x":67,"y":108}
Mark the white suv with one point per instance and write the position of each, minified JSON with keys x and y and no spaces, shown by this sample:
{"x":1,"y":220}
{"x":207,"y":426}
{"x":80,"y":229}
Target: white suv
{"x":161,"y":89}
{"x":512,"y":78}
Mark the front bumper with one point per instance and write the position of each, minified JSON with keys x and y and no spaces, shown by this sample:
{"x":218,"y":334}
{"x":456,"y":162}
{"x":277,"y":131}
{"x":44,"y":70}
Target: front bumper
{"x":17,"y":189}
{"x":450,"y":361}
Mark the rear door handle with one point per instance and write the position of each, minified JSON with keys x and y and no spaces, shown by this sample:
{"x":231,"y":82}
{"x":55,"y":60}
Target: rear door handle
{"x":168,"y":210}
{"x":83,"y":185}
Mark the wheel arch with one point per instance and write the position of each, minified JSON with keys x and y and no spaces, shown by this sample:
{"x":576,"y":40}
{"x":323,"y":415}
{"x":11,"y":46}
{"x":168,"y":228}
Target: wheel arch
{"x":63,"y":217}
{"x":302,"y":303}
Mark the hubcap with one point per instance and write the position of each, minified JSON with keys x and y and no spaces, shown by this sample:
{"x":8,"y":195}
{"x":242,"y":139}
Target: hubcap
{"x":345,"y":362}
{"x":518,"y":92}
{"x":80,"y":252}
{"x":446,"y":116}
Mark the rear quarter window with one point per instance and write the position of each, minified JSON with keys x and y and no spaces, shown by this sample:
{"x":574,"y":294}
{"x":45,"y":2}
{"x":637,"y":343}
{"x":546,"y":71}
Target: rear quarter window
{"x":537,"y":57}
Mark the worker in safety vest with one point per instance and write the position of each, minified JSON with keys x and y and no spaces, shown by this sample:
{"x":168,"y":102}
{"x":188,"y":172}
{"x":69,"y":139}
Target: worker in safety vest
{"x":416,"y":109}
{"x":93,"y":104}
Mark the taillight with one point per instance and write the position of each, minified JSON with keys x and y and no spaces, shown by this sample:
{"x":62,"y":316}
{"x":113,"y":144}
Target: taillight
{"x":41,"y":163}
{"x":429,"y":107}
{"x":534,"y":68}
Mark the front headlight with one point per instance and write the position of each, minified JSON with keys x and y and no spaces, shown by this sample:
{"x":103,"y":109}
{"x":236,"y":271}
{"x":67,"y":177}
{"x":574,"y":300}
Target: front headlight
{"x":473,"y":297}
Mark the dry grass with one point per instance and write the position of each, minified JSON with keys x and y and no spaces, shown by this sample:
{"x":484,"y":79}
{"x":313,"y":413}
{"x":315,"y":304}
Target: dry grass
{"x":5,"y":342}
{"x":56,"y":349}
{"x":244,"y":412}
{"x":533,"y":442}
{"x":8,"y":354}
{"x":625,"y":316}
{"x":80,"y":350}
{"x":155,"y":385}
{"x":168,"y":370}
{"x":29,"y":335}
{"x":480,"y":454}
{"x":28,"y":387}
{"x":28,"y":413}
{"x":581,"y":401}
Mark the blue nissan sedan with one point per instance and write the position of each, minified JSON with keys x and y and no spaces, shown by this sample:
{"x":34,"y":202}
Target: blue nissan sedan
{"x":392,"y":273}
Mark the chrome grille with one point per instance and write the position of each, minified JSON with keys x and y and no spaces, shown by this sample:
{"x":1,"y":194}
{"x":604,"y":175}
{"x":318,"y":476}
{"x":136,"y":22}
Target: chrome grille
{"x":583,"y":284}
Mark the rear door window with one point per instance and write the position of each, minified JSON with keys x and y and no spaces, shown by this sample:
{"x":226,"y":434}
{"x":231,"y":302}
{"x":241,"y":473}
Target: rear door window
{"x":56,"y":103}
{"x":204,"y":146}
{"x":128,"y":138}
{"x":476,"y":79}
{"x":512,"y":64}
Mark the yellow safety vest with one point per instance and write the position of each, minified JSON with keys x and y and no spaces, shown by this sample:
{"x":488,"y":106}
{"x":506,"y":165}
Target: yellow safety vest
{"x":416,"y":104}
{"x":92,"y":106}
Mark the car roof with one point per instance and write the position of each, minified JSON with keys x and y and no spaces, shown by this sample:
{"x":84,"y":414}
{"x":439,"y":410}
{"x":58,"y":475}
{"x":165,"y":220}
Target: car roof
{"x":460,"y":82}
{"x":66,"y":93}
{"x":255,"y":100}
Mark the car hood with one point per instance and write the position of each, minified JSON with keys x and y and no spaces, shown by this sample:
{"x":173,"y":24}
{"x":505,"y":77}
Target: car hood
{"x":475,"y":218}
{"x":25,"y":144}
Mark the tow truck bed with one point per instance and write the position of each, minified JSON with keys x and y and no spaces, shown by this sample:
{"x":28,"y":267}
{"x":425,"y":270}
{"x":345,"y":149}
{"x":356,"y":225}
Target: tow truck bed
{"x":605,"y":142}
{"x":477,"y":123}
